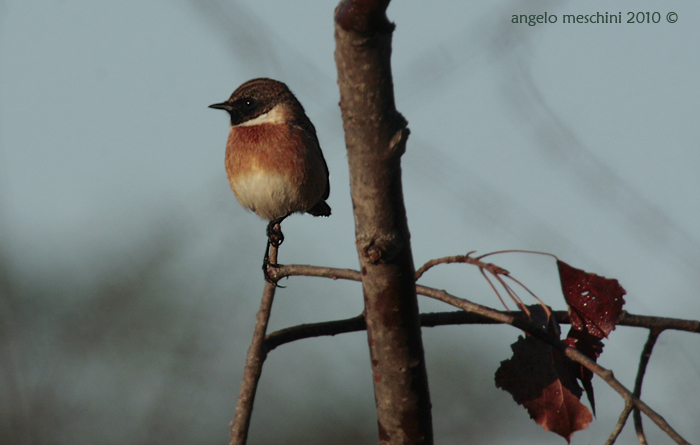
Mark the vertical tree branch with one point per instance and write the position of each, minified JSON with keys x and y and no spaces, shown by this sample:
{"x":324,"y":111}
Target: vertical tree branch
{"x":257,"y":353}
{"x":643,"y":362}
{"x":375,"y":135}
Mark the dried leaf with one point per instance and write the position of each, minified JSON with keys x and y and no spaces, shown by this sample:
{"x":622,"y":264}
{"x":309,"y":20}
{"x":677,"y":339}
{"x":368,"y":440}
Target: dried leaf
{"x":595,"y":302}
{"x":595,"y":305}
{"x":543,"y":380}
{"x":539,"y":378}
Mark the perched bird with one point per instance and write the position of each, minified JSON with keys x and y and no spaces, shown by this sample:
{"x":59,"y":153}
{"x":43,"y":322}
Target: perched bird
{"x":273,"y":159}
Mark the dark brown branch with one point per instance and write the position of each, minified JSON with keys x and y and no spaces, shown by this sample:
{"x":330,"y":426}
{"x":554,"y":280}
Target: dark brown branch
{"x":355,"y":324}
{"x":434,"y":319}
{"x":643,"y":362}
{"x":659,"y":323}
{"x":310,"y":330}
{"x":375,"y":137}
{"x":257,"y":353}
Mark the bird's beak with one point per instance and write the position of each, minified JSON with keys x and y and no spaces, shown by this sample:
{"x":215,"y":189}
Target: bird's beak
{"x":222,"y":106}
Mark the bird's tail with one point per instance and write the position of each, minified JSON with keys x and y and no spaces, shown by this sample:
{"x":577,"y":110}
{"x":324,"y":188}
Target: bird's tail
{"x":320,"y":209}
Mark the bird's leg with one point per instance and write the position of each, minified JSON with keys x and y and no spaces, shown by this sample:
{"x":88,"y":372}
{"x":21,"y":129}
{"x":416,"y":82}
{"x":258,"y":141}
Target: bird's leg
{"x":274,"y":238}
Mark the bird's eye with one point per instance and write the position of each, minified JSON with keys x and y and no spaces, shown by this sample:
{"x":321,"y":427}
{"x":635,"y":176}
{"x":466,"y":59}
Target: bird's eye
{"x":249,"y":103}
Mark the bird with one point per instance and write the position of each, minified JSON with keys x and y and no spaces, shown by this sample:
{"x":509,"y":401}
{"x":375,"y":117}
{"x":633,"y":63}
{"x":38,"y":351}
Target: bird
{"x":274,"y":161}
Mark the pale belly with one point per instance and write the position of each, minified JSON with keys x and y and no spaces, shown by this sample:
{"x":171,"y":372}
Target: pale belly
{"x":269,"y":196}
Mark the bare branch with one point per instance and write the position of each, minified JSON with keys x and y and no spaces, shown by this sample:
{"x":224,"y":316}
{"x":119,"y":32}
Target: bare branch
{"x":310,"y":330}
{"x":621,"y":421}
{"x":626,"y":319}
{"x":495,"y":270}
{"x":643,"y":362}
{"x":444,"y":260}
{"x":355,"y":324}
{"x":257,"y":353}
{"x":660,"y":323}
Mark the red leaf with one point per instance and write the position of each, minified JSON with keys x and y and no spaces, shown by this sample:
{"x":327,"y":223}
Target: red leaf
{"x":539,"y":378}
{"x":595,"y":305}
{"x":595,"y":302}
{"x":542,"y":378}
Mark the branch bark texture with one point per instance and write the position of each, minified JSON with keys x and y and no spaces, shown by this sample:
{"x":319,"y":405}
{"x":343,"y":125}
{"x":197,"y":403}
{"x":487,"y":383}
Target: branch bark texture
{"x":375,"y":136}
{"x":257,"y":353}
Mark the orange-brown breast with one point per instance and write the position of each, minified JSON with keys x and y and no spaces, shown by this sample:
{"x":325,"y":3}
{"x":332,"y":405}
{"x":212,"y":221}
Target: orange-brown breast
{"x":275,"y":169}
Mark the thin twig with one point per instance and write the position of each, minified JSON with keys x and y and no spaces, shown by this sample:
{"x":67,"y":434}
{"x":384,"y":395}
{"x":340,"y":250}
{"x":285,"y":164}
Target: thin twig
{"x":428,"y":320}
{"x":626,"y":319}
{"x":495,"y":270}
{"x":486,"y":277}
{"x":445,"y":260}
{"x":643,"y":362}
{"x":649,"y":322}
{"x":532,"y":252}
{"x":518,"y":302}
{"x":310,"y":330}
{"x":546,"y":308}
{"x":253,"y":363}
{"x":356,"y":324}
{"x":621,"y":421}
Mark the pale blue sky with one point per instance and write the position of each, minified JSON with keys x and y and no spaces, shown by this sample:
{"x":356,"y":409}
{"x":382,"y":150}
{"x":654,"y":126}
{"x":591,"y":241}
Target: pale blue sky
{"x":580,"y":140}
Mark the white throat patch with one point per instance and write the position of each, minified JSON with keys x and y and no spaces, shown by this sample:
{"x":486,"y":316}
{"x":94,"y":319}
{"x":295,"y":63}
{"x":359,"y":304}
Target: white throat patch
{"x":274,"y":116}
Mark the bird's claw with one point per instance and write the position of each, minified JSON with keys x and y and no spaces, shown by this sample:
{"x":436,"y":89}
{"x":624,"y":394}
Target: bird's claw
{"x":266,"y":271}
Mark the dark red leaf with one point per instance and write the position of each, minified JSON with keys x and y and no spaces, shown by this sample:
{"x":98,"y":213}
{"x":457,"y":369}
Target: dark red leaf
{"x":595,"y":305}
{"x":543,"y":380}
{"x":539,"y":378}
{"x":595,"y":302}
